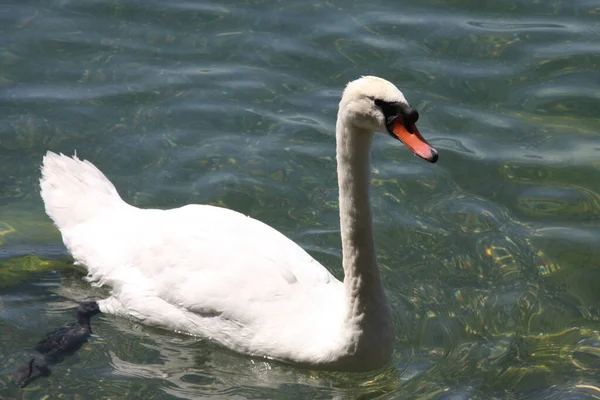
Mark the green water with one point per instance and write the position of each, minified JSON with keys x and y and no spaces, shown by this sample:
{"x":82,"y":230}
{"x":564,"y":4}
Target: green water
{"x":490,"y":257}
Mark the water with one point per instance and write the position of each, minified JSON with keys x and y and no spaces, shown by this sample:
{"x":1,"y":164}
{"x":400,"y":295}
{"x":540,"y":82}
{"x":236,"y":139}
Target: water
{"x":489,"y":257}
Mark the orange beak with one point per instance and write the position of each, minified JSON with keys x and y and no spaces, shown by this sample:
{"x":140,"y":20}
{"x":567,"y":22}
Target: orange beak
{"x":410,"y":136}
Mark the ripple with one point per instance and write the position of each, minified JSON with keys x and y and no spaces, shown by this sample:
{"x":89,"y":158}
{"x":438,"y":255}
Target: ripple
{"x":516,"y":26}
{"x":471,"y":214}
{"x":488,"y":256}
{"x":467,"y":70}
{"x":556,"y":202}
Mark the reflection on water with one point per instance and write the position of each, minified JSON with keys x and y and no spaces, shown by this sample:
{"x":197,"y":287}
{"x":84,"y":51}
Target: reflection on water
{"x":489,"y":257}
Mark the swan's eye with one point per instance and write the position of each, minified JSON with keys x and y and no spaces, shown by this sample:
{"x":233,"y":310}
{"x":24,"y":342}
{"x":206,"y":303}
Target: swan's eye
{"x":389,"y":109}
{"x":392,"y":110}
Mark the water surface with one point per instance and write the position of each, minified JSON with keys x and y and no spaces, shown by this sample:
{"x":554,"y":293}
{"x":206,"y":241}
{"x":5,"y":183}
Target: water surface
{"x":489,"y":257}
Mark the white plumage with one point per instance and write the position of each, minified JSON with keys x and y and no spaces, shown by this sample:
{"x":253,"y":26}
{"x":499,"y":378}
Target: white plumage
{"x":215,"y":273}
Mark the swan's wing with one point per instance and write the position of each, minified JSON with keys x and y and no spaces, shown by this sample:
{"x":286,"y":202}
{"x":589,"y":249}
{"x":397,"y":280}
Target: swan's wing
{"x":209,"y":260}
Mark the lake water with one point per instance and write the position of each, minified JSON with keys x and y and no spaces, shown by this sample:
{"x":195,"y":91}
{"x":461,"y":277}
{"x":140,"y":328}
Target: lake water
{"x":490,"y":257}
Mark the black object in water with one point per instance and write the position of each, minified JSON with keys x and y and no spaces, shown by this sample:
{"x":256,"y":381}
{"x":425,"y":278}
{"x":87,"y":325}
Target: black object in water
{"x":64,"y":341}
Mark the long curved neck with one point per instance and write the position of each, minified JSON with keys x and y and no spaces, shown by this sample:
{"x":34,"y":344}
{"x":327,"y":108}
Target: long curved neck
{"x":366,"y":304}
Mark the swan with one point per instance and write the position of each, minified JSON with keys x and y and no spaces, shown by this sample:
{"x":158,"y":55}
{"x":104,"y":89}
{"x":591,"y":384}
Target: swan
{"x":221,"y":275}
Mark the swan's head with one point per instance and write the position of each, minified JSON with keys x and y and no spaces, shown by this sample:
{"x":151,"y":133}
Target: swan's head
{"x":375,"y":105}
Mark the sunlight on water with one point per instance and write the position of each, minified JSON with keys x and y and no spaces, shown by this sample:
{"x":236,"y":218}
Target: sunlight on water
{"x":489,"y":257}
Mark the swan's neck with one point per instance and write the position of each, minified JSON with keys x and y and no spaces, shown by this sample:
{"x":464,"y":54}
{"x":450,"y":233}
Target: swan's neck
{"x":367,"y":309}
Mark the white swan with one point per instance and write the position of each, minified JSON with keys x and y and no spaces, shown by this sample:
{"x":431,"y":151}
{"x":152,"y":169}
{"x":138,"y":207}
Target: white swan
{"x":216,"y":273}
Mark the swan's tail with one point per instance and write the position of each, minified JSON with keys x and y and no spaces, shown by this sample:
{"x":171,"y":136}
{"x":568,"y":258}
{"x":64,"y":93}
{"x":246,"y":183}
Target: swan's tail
{"x":75,"y":191}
